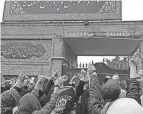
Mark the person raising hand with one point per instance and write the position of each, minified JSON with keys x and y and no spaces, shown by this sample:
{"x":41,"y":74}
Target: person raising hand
{"x":10,"y":98}
{"x":30,"y":104}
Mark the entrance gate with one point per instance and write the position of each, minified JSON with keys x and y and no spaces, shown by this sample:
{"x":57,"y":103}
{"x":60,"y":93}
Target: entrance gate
{"x":102,"y":70}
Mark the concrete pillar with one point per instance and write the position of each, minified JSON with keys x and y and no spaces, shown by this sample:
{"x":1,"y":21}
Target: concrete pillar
{"x":56,"y":61}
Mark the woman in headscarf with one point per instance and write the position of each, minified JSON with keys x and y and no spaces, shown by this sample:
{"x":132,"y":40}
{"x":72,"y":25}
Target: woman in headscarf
{"x":125,"y":106}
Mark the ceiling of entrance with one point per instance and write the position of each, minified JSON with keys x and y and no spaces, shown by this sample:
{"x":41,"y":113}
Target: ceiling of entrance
{"x":102,"y":47}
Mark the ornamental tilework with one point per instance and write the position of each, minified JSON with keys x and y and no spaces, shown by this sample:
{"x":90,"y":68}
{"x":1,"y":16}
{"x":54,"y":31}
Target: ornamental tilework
{"x":26,"y":50}
{"x":62,"y":10}
{"x":22,"y":7}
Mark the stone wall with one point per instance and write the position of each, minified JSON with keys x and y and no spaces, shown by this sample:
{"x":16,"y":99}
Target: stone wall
{"x":46,"y":28}
{"x":48,"y":36}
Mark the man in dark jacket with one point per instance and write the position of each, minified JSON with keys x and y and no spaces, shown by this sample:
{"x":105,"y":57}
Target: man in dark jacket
{"x":46,"y":97}
{"x":101,"y":99}
{"x":68,"y":96}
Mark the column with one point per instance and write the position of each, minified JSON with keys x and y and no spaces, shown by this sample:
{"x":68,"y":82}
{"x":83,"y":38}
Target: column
{"x":56,"y":61}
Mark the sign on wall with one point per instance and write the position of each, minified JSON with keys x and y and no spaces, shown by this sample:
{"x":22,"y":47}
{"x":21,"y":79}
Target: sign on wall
{"x":62,"y":10}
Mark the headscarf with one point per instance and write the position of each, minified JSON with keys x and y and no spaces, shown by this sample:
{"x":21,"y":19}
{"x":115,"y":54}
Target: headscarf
{"x":141,"y":100}
{"x":125,"y":106}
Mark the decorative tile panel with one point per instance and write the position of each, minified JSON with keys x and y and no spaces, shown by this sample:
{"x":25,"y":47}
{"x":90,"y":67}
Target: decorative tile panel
{"x":26,"y":50}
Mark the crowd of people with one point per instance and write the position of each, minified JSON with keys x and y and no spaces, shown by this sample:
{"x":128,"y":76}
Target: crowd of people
{"x":50,"y":95}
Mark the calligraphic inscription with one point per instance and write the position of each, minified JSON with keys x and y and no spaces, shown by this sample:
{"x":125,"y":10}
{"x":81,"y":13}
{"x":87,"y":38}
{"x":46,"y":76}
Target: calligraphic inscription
{"x":62,"y":7}
{"x":62,"y":10}
{"x":23,"y":50}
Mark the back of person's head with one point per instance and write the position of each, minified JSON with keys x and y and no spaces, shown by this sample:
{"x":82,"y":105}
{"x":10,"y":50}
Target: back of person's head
{"x":116,"y":77}
{"x":42,"y":84}
{"x":106,"y":79}
{"x":125,"y":106}
{"x":123,"y":84}
{"x":110,"y":91}
{"x":45,"y":85}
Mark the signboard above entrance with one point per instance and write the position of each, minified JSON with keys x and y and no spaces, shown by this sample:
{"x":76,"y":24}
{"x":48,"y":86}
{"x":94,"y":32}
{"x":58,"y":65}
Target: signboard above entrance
{"x":62,"y":10}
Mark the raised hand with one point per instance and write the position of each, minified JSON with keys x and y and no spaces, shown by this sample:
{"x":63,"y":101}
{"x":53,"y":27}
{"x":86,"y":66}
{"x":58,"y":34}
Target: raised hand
{"x":91,"y":69}
{"x":73,"y":79}
{"x":40,"y":76}
{"x":133,"y":69}
{"x":21,"y":77}
{"x":84,"y":76}
{"x":59,"y":81}
{"x":39,"y":84}
{"x":54,"y":75}
{"x":140,"y":73}
{"x":65,"y":77}
{"x":83,"y":73}
{"x":20,"y":80}
{"x":136,"y":58}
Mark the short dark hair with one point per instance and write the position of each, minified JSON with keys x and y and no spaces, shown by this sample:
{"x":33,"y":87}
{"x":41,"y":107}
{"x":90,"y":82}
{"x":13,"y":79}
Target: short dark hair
{"x":111,"y":90}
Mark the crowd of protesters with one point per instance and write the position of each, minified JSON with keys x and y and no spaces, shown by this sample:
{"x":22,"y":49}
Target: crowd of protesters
{"x":50,"y":95}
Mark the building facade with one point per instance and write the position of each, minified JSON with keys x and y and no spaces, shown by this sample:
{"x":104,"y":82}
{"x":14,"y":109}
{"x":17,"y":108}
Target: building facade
{"x":39,"y":41}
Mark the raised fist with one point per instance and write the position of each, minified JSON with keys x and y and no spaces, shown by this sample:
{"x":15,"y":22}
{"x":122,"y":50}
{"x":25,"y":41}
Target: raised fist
{"x":140,"y":73}
{"x":132,"y":63}
{"x":65,"y":77}
{"x":20,"y":80}
{"x":40,"y":83}
{"x":73,"y":79}
{"x":136,"y":58}
{"x":40,"y":76}
{"x":91,"y":69}
{"x":83,"y":73}
{"x":59,"y":81}
{"x":21,"y":77}
{"x":54,"y":75}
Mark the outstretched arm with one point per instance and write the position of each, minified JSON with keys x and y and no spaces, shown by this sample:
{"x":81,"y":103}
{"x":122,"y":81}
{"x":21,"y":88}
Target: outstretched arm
{"x":48,"y":107}
{"x":95,"y":98}
{"x":133,"y":84}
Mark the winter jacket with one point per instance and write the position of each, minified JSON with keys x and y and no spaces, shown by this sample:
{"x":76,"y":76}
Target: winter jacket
{"x":82,"y":106}
{"x":45,"y":99}
{"x":67,"y":99}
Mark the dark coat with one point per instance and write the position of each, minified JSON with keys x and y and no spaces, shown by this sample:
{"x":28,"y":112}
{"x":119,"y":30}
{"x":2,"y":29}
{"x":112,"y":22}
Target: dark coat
{"x":67,"y":91}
